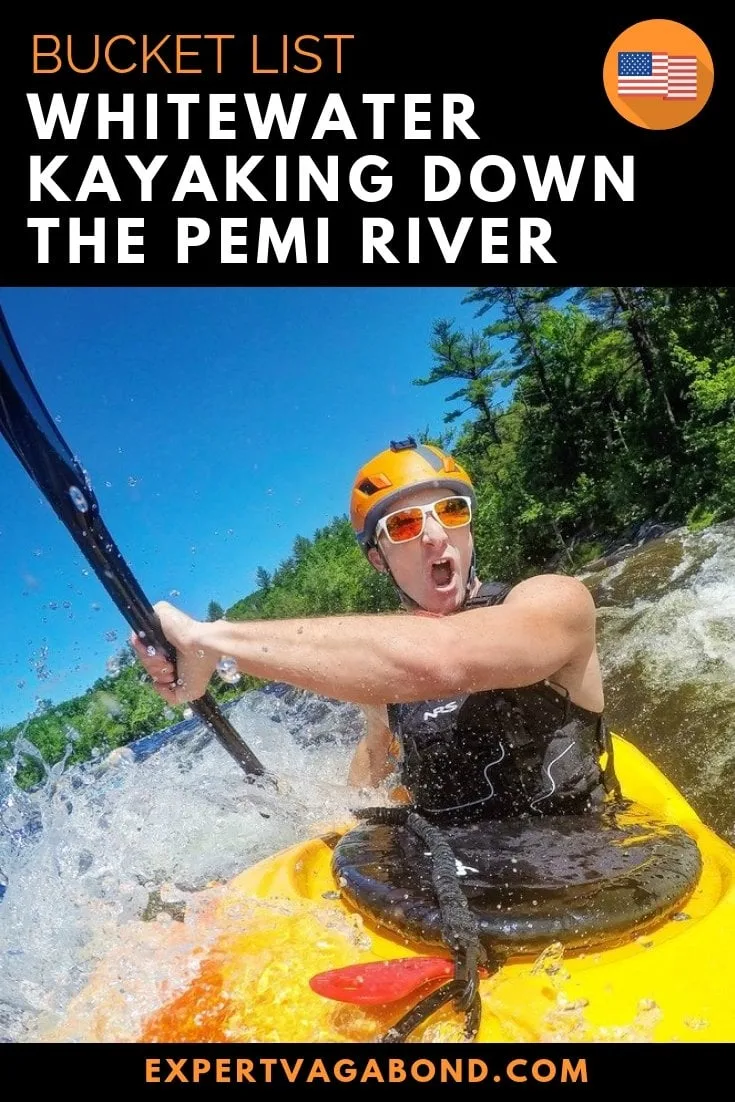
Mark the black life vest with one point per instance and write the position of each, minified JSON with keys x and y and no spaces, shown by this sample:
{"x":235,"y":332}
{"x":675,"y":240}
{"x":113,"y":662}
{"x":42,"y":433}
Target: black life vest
{"x":502,"y":752}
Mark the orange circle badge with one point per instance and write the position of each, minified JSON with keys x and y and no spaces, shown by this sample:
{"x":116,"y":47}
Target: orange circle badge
{"x":658,"y":74}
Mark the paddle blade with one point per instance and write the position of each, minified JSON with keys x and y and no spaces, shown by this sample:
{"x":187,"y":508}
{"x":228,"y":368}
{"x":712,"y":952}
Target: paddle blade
{"x":381,"y":981}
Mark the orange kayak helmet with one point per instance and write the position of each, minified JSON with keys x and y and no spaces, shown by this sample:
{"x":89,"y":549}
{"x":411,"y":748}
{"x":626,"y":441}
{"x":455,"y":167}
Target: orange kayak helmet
{"x":405,"y":465}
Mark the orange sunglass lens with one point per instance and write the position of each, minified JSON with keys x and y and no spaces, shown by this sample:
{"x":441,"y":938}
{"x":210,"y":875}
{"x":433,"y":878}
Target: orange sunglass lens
{"x":405,"y":525}
{"x":453,"y":512}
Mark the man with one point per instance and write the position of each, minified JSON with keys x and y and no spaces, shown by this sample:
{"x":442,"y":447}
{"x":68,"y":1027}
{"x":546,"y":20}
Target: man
{"x":492,"y":695}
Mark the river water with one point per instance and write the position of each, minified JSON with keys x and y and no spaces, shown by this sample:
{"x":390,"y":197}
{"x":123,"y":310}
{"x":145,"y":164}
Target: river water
{"x":137,"y":836}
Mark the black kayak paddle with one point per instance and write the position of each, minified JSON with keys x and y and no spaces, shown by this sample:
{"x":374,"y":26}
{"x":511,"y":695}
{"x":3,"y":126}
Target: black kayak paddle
{"x":34,"y":437}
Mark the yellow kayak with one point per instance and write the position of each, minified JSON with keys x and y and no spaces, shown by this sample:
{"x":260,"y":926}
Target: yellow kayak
{"x":255,"y":946}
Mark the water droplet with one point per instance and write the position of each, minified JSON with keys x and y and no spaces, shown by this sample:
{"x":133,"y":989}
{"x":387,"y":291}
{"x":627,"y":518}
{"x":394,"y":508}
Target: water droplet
{"x":57,"y":418}
{"x":79,"y":499}
{"x":188,"y":713}
{"x":95,"y":607}
{"x":110,"y":636}
{"x":564,"y":1003}
{"x":85,"y":573}
{"x":108,"y":485}
{"x":132,"y":481}
{"x":227,"y":669}
{"x":113,"y":665}
{"x":174,"y":593}
{"x":151,"y":652}
{"x":550,"y":959}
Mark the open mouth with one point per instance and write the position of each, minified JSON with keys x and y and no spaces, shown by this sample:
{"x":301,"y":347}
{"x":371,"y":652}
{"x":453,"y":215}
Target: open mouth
{"x":442,"y":573}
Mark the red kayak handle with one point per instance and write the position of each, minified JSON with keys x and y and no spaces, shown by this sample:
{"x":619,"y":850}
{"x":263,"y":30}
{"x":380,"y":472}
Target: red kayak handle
{"x":381,"y":981}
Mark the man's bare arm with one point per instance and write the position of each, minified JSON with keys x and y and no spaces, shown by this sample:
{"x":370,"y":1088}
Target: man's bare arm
{"x":545,"y":623}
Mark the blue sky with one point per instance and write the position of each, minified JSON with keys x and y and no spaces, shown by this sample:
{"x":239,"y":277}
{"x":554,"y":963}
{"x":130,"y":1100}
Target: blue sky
{"x":216,"y":425}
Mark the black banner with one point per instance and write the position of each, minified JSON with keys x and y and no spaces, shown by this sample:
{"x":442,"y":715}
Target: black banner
{"x":564,"y":1070}
{"x":520,"y":149}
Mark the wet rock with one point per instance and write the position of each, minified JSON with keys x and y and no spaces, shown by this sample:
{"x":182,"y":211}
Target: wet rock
{"x":175,"y":909}
{"x":630,"y":540}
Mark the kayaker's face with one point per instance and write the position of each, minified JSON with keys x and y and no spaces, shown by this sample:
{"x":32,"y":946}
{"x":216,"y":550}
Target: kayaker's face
{"x":432,"y":568}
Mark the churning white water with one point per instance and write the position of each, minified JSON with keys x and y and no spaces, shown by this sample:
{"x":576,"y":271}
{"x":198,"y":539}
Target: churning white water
{"x":141,"y":833}
{"x":667,"y":644}
{"x":113,"y":841}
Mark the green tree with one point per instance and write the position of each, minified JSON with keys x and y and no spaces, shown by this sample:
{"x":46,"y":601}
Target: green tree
{"x":470,"y":360}
{"x":630,"y":307}
{"x":618,"y":408}
{"x":262,"y":579}
{"x":519,"y":309}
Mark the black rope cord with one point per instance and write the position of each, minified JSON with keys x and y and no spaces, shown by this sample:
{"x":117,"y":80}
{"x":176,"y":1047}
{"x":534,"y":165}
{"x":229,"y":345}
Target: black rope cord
{"x":459,"y":928}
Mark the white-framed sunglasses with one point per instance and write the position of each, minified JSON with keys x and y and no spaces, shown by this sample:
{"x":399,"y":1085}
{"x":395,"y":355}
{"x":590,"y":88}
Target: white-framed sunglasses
{"x":408,"y":523}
